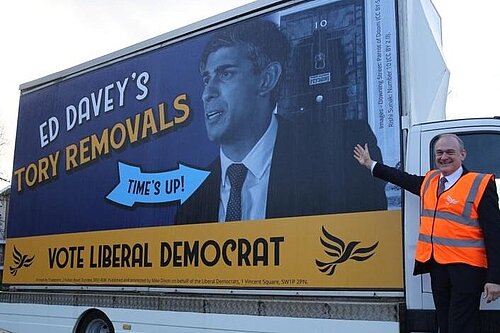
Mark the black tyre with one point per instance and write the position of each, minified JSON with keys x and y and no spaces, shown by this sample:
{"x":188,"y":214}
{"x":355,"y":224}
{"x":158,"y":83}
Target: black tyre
{"x":95,"y":321}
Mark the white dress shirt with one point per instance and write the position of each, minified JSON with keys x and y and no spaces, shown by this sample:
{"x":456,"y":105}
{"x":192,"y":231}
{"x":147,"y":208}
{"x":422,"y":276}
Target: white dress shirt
{"x":254,"y":191}
{"x":452,"y":179}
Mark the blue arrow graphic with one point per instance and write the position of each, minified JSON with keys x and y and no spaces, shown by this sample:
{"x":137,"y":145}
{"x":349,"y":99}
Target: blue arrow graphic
{"x":136,"y":186}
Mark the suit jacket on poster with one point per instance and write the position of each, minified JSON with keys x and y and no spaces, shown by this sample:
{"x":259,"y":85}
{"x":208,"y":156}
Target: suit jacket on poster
{"x":312,"y":172}
{"x":488,"y":211}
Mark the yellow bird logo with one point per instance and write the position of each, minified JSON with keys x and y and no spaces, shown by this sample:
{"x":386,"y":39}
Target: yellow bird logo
{"x":20,"y":260}
{"x":335,"y":248}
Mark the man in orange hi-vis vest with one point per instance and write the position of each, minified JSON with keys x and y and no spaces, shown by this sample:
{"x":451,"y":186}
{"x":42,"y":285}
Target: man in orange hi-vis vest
{"x":459,"y":238}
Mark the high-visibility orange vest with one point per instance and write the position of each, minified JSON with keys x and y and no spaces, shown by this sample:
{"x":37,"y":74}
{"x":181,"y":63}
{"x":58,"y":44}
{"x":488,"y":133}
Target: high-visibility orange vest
{"x":449,"y":225}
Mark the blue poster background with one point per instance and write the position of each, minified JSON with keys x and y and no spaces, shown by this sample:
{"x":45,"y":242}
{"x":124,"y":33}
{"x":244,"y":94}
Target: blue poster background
{"x":328,"y":93}
{"x":76,"y":200}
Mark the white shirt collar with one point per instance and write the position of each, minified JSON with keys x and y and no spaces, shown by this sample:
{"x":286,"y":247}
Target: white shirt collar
{"x":452,"y":179}
{"x":259,"y":158}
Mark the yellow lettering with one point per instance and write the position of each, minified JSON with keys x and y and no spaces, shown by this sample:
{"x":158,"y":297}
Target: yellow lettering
{"x":117,"y":145}
{"x":32,"y":169}
{"x":133,"y":132}
{"x":163,"y":119}
{"x":84,"y":149}
{"x":100,"y":147}
{"x":71,"y":152}
{"x":43,"y":165}
{"x":54,"y":158}
{"x":19,"y":173}
{"x":184,"y":108}
{"x":149,"y":123}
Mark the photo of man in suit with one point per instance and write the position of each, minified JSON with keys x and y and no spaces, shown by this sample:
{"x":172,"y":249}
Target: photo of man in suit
{"x":270,"y":166}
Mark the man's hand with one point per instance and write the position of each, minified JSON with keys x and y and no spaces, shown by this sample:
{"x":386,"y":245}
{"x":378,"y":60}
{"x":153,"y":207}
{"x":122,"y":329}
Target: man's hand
{"x":491,"y":292}
{"x":363,"y":155}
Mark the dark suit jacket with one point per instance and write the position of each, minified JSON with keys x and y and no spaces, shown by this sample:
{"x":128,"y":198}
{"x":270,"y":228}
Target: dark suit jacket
{"x":312,"y":172}
{"x":488,"y":211}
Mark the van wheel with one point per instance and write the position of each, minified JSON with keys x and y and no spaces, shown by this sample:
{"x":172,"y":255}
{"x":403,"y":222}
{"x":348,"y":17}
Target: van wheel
{"x":95,"y":321}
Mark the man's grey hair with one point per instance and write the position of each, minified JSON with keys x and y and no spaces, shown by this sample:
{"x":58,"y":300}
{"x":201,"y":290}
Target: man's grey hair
{"x":456,"y":137}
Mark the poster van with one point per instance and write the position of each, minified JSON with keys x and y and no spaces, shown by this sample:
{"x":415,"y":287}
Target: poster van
{"x":221,"y":160}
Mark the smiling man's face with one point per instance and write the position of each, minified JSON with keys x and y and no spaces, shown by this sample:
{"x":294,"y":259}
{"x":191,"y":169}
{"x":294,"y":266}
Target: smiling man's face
{"x":449,"y":155}
{"x":231,"y":96}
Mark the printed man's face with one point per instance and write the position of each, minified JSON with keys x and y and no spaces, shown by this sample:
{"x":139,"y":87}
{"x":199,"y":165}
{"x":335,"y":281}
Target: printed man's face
{"x":449,"y":156}
{"x":230,"y":96}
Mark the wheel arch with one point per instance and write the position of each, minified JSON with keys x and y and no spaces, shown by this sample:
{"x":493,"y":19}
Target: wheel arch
{"x":88,"y":315}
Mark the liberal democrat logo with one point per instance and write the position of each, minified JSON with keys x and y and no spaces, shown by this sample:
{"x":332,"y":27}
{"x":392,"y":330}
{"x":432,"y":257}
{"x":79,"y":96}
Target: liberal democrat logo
{"x":336,"y":249}
{"x":451,"y":201}
{"x":20,"y":261}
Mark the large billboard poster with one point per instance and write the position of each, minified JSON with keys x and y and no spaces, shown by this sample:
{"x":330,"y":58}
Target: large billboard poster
{"x":223,"y":160}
